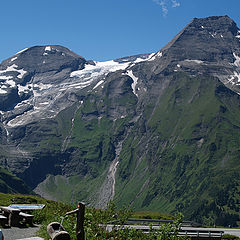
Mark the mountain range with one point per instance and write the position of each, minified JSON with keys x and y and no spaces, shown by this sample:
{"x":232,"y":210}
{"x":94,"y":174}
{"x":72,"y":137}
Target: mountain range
{"x":157,"y":131}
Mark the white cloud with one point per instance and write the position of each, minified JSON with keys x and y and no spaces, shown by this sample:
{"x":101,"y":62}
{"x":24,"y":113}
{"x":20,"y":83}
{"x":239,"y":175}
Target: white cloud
{"x":165,"y":4}
{"x":175,"y":3}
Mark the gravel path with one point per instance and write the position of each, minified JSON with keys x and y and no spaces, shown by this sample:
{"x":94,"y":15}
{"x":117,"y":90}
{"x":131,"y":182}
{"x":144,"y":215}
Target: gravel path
{"x":15,"y":233}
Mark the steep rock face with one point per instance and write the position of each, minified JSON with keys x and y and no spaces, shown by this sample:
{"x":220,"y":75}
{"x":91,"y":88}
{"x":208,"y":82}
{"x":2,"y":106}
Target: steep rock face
{"x":33,"y":79}
{"x":180,"y":148}
{"x":54,"y":86}
{"x":219,"y":32}
{"x":161,"y":130}
{"x":207,"y":46}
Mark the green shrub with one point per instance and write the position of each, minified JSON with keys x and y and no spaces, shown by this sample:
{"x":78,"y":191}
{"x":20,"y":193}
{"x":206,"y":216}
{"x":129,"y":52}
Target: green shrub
{"x":229,"y":237}
{"x":95,"y":220}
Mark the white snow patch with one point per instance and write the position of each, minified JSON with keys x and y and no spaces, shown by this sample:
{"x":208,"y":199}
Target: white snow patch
{"x":81,"y":85}
{"x":237,"y":61}
{"x":91,"y":72}
{"x":13,"y":59}
{"x":21,"y":104}
{"x":12,"y":68}
{"x":6,"y":77}
{"x":2,"y":91}
{"x":22,"y":50}
{"x":138,"y":60}
{"x":135,"y":80}
{"x":48,"y":48}
{"x":213,"y":34}
{"x":119,"y":66}
{"x":151,"y":55}
{"x":230,"y":79}
{"x":238,"y":36}
{"x":42,"y":86}
{"x":154,"y":56}
{"x":44,"y":103}
{"x":19,"y":120}
{"x":36,"y":93}
{"x":233,"y":77}
{"x":7,"y":131}
{"x":194,"y":60}
{"x":11,"y":83}
{"x":23,"y":88}
{"x":98,"y":84}
{"x":22,"y":72}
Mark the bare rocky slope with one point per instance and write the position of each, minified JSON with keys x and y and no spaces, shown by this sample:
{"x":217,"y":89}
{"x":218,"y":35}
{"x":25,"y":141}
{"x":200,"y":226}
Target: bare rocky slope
{"x":157,"y":131}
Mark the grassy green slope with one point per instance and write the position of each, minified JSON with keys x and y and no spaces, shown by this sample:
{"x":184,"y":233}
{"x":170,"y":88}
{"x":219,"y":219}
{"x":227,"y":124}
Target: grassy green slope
{"x":91,"y":147}
{"x":9,"y":183}
{"x":182,"y":154}
{"x":191,"y":162}
{"x":90,"y":153}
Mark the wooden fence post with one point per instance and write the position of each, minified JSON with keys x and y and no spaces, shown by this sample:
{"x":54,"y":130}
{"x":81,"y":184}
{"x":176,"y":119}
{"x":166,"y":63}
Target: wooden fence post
{"x":80,"y":221}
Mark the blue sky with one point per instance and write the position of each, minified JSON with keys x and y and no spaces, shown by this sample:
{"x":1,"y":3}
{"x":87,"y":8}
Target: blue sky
{"x":102,"y":29}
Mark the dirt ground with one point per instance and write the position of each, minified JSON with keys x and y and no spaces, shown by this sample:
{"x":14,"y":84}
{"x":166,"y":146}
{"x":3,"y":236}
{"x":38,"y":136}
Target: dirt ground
{"x":15,"y":233}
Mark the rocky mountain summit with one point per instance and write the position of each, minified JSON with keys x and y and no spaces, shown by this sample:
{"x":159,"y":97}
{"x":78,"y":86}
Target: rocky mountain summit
{"x":41,"y":81}
{"x":157,"y":131}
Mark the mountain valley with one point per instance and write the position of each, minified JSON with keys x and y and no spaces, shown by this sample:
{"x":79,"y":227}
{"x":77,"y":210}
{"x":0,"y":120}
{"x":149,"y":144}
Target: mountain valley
{"x":157,"y":131}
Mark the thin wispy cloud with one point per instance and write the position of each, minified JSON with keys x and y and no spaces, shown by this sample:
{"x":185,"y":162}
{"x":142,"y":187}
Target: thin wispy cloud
{"x":165,"y":4}
{"x":175,"y":3}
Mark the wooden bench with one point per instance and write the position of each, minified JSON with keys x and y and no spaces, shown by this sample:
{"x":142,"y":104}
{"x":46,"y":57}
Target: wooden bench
{"x":27,"y":218}
{"x":12,"y":215}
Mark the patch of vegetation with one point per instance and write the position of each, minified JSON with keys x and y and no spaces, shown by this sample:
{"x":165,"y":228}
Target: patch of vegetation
{"x":95,"y":220}
{"x":8,"y":199}
{"x":79,"y":188}
{"x":152,"y":215}
{"x":191,"y":162}
{"x":9,"y":183}
{"x":180,"y":154}
{"x":229,"y":237}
